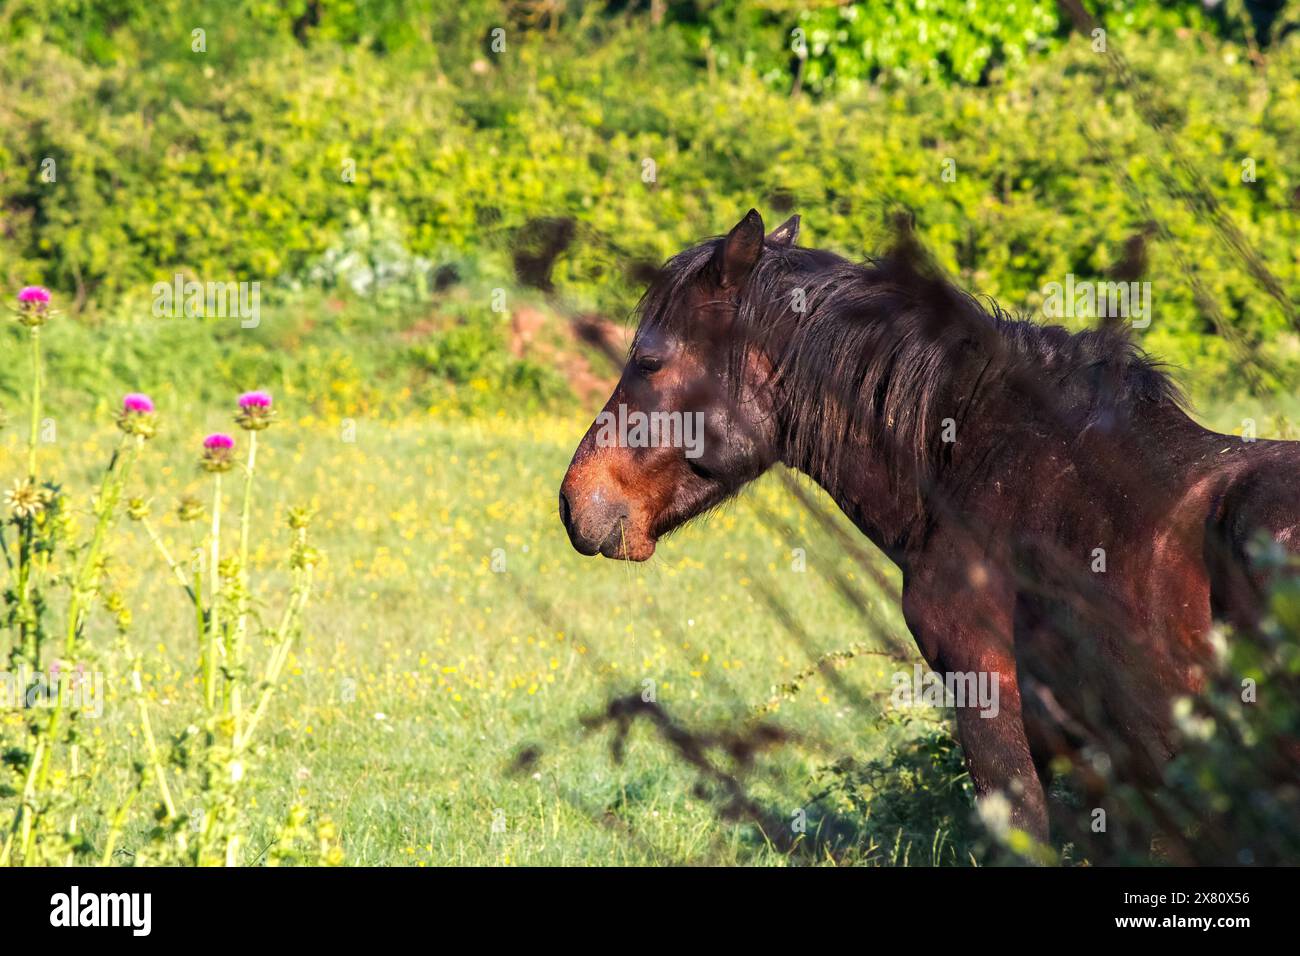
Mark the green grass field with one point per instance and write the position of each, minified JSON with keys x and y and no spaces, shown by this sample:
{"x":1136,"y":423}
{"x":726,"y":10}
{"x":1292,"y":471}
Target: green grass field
{"x":454,"y":643}
{"x":423,"y":672}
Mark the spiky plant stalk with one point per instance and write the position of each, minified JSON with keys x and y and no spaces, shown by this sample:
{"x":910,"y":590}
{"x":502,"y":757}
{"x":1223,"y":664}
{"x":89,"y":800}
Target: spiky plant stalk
{"x":214,"y":593}
{"x":241,"y":627}
{"x":85,"y":582}
{"x":36,"y":403}
{"x":28,"y":637}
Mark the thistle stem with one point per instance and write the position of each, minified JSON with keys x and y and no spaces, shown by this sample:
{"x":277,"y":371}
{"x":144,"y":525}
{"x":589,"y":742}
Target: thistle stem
{"x":241,"y":628}
{"x":84,"y":583}
{"x":28,"y":644}
{"x":280,"y":656}
{"x":27,"y":636}
{"x":119,"y":822}
{"x":36,"y":403}
{"x":167,"y":557}
{"x":151,"y":744}
{"x":214,"y":592}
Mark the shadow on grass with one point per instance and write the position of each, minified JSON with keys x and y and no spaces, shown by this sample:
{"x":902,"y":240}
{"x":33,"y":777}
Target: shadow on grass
{"x":914,"y":808}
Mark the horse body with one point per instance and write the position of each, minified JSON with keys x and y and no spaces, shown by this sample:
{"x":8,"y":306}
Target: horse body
{"x":1060,"y":522}
{"x":1091,"y":595}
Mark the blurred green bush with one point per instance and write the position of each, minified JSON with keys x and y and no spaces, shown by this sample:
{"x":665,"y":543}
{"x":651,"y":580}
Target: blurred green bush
{"x":258,"y":158}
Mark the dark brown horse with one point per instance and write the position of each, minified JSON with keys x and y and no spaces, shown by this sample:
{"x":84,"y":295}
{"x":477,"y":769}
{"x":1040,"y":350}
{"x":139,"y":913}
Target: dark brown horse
{"x":1061,"y":524}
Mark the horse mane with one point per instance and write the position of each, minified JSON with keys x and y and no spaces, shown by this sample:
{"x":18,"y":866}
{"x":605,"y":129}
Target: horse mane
{"x":884,"y":350}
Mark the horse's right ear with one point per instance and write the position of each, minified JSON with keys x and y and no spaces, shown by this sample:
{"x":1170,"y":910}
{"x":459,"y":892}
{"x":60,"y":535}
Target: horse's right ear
{"x":740,"y":251}
{"x":785,"y":234}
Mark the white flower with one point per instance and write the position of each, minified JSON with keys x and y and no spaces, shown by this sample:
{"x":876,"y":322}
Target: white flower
{"x":995,"y":812}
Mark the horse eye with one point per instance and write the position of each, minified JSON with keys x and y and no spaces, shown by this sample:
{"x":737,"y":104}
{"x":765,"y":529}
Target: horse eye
{"x":647,"y":363}
{"x":700,"y":470}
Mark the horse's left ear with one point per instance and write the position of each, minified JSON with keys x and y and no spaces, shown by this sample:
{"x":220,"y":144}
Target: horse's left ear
{"x":785,"y":234}
{"x":740,"y":251}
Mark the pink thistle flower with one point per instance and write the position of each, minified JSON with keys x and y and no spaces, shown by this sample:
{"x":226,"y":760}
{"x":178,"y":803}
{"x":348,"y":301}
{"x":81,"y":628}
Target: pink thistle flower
{"x":34,"y":306}
{"x":218,"y":452}
{"x":255,"y":411}
{"x":137,"y":415}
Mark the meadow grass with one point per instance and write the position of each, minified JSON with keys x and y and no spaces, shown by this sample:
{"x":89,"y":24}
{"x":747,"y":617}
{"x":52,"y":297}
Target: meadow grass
{"x":434,"y":707}
{"x":423,"y":672}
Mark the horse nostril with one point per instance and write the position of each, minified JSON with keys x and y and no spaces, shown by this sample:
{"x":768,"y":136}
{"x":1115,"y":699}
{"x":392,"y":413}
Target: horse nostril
{"x":564,"y":510}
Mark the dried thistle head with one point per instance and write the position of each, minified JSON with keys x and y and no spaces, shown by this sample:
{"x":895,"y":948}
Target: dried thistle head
{"x":304,"y":556}
{"x":27,"y":499}
{"x":189,"y":508}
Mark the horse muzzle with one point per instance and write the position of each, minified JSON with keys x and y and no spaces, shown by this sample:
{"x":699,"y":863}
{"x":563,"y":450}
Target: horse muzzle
{"x":600,"y":524}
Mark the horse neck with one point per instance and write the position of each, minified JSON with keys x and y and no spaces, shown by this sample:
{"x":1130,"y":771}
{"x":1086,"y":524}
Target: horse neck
{"x":890,"y":499}
{"x":881,"y":494}
{"x":881,"y":489}
{"x":881,"y":505}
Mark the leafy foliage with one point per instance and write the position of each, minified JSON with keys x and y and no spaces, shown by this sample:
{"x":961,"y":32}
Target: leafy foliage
{"x":272,"y":172}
